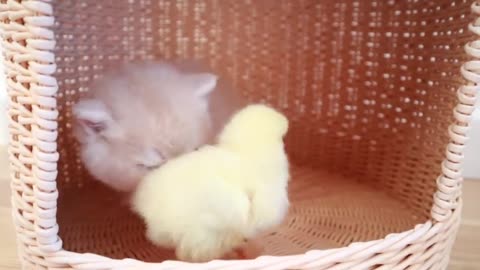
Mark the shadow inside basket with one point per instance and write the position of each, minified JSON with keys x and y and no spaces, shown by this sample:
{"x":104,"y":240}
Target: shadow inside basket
{"x":327,"y":211}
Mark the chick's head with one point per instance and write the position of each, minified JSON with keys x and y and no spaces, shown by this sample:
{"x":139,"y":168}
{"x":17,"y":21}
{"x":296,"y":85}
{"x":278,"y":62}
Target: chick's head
{"x":258,"y":124}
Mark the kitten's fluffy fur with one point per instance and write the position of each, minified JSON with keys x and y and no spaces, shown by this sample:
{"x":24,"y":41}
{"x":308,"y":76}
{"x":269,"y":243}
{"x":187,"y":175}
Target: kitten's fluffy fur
{"x":140,"y":115}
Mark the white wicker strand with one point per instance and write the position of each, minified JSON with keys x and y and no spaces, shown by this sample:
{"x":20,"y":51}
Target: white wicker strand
{"x":449,"y":184}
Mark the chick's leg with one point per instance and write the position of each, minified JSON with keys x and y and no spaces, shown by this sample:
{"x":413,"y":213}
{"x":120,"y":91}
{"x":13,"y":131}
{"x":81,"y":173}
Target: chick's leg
{"x":249,"y":249}
{"x":160,"y":238}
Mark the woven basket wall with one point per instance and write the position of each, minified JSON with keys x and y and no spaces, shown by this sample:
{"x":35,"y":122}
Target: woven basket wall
{"x":369,"y":88}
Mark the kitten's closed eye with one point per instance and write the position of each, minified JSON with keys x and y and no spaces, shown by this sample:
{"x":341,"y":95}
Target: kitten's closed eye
{"x":147,"y":167}
{"x":150,"y":159}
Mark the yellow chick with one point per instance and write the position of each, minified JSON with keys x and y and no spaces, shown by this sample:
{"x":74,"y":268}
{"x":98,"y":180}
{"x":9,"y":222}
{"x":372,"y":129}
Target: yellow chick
{"x":206,"y":203}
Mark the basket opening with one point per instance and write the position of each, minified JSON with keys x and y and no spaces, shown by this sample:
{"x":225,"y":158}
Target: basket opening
{"x":327,"y":211}
{"x":365,"y":84}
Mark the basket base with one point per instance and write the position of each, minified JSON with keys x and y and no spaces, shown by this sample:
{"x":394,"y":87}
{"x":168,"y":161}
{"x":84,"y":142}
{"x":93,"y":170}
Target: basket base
{"x":327,"y":211}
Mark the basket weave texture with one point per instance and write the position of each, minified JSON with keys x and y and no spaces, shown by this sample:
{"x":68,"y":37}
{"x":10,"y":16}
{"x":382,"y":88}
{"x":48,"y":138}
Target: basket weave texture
{"x":369,"y":88}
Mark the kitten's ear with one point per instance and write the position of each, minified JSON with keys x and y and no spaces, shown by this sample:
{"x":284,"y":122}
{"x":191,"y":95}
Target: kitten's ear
{"x":92,"y":115}
{"x":203,"y":83}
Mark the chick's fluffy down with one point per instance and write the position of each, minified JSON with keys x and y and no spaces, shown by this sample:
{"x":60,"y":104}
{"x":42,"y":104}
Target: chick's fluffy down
{"x":205,"y":203}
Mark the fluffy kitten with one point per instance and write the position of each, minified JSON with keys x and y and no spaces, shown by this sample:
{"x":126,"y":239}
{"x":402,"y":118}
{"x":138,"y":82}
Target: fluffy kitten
{"x":140,"y":115}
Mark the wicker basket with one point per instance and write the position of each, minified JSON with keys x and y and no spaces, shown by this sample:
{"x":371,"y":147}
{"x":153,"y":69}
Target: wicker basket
{"x":369,"y":87}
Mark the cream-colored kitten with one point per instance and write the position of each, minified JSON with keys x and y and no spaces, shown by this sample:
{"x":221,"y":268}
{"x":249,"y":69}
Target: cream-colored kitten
{"x":140,"y":115}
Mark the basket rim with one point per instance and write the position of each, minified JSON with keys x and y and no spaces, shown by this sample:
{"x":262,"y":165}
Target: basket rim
{"x":422,"y":236}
